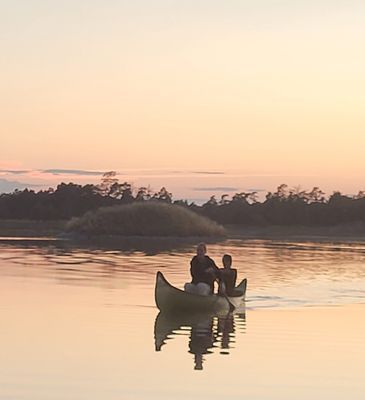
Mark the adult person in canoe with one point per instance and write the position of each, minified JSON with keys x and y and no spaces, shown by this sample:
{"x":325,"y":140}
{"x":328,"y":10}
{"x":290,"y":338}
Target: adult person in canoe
{"x":204,"y":272}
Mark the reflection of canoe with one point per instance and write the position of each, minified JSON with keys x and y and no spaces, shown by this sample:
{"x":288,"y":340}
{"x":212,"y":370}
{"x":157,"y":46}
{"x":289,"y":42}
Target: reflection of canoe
{"x":170,"y":325}
{"x":171,"y":299}
{"x":204,"y":331}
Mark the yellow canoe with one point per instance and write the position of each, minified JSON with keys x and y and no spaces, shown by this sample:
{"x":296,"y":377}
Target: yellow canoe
{"x":171,"y":299}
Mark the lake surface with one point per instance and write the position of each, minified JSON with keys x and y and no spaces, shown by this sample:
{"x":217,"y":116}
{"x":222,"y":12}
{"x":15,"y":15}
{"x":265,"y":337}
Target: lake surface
{"x":82,"y":324}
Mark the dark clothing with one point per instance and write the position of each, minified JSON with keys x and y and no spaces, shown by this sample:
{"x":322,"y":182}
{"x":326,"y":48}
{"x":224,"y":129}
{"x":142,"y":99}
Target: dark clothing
{"x":204,"y":270}
{"x":228,"y":276}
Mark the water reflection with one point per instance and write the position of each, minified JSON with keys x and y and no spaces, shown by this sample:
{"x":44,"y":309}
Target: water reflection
{"x":206,"y":332}
{"x":281,"y":274}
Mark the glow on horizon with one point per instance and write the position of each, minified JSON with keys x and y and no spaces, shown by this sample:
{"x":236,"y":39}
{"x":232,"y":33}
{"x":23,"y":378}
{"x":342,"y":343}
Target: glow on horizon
{"x":270,"y":86}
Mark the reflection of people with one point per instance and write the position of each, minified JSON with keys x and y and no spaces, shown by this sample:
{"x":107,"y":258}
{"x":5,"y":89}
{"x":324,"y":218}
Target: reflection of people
{"x":228,"y":277}
{"x":201,"y":340}
{"x":206,"y":331}
{"x":226,"y":328}
{"x":203,"y":272}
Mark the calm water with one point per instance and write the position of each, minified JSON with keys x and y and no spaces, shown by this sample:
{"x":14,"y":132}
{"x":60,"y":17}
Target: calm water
{"x":81,"y":324}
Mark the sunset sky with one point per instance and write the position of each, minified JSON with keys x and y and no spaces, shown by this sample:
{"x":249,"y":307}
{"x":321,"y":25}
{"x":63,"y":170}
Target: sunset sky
{"x":168,"y":91}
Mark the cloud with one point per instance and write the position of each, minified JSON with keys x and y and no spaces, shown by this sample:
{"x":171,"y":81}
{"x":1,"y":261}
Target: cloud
{"x":256,"y":190}
{"x":226,"y":189}
{"x":9,"y":186}
{"x":72,"y":172}
{"x":216,"y":189}
{"x":14,"y":171}
{"x":208,"y":172}
{"x":90,"y":173}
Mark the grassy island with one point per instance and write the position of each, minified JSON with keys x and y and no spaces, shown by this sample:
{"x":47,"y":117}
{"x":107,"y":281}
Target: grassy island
{"x":145,"y":219}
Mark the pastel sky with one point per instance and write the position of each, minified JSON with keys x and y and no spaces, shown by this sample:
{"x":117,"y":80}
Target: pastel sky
{"x":262,"y":90}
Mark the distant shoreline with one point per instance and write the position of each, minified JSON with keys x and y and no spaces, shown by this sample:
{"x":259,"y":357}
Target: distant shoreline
{"x":12,"y":229}
{"x":345,"y":232}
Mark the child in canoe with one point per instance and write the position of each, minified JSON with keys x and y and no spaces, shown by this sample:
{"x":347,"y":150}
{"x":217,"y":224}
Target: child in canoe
{"x":228,"y":277}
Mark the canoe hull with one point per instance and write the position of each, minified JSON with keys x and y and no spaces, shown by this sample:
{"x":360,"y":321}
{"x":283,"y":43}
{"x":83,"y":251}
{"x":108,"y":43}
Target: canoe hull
{"x":171,"y":299}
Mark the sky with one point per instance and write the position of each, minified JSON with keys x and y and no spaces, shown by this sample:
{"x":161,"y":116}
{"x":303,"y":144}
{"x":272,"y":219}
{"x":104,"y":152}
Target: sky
{"x":263,"y":92}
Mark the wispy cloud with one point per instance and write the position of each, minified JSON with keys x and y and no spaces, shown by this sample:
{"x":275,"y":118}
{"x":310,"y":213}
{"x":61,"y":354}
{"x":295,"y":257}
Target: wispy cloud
{"x":216,"y":189}
{"x":208,"y":172}
{"x":227,"y":189}
{"x":7,"y":186}
{"x":256,"y":190}
{"x":80,"y":172}
{"x":14,"y":171}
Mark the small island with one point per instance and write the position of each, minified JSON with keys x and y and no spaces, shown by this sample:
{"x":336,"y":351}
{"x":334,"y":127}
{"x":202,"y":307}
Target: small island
{"x":149,"y":219}
{"x":115,"y":209}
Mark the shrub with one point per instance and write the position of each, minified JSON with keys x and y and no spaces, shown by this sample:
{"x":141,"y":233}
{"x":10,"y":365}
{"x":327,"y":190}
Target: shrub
{"x":145,"y":219}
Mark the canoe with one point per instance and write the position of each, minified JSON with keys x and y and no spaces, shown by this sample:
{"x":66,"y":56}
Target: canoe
{"x":171,"y":299}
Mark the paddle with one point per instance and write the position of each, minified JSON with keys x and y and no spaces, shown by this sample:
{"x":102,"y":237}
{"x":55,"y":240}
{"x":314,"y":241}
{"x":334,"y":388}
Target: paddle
{"x":232,"y":307}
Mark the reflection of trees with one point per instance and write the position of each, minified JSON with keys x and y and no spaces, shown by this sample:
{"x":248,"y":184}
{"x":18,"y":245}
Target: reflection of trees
{"x":205,"y":331}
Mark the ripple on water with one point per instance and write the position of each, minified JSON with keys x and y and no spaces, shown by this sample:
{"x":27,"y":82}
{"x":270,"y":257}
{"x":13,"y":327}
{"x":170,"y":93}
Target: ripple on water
{"x":81,"y":323}
{"x":280,"y":274}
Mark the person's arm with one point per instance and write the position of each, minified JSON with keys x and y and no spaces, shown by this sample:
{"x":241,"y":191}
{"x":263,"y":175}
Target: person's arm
{"x":234,"y":277}
{"x":214,"y":267}
{"x":195,"y":269}
{"x":192,"y":267}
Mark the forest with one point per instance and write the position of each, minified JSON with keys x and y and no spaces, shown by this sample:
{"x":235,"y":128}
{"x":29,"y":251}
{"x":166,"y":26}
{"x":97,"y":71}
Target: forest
{"x":285,"y":206}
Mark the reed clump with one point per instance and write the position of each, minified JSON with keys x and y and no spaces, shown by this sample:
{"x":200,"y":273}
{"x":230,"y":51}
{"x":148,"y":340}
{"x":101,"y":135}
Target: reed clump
{"x":145,"y":219}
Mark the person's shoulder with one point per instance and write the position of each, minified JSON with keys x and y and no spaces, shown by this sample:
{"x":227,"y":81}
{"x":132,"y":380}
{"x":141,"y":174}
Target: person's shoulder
{"x":230,"y":271}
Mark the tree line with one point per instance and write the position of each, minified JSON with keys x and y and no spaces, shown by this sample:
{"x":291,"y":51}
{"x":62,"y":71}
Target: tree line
{"x":285,"y":206}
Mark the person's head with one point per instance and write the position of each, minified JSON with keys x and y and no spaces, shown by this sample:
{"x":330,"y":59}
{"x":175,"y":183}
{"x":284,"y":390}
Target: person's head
{"x":227,"y":261}
{"x":201,"y":250}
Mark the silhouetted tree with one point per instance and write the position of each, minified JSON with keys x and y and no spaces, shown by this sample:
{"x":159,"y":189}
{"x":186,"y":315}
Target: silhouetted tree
{"x":223,"y":200}
{"x":245,"y":197}
{"x":163,"y":195}
{"x":143,"y":194}
{"x":211,"y":202}
{"x":108,"y":181}
{"x":316,"y":196}
{"x":285,"y":206}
